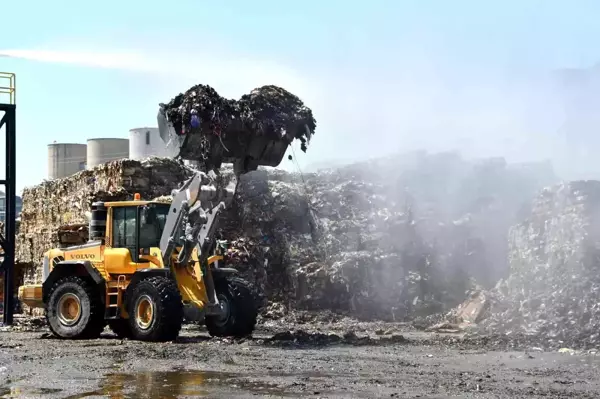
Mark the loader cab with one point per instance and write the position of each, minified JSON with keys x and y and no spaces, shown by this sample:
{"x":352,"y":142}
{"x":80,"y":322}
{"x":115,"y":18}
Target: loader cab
{"x":135,"y":228}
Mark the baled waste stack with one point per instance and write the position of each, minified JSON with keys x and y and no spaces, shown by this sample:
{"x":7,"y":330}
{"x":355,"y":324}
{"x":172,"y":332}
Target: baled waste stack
{"x":387,"y":239}
{"x":553,"y":293}
{"x":54,"y":211}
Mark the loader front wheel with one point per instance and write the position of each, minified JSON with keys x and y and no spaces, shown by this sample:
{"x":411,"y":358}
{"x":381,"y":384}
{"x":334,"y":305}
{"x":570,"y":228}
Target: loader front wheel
{"x":74,"y":309}
{"x":239,"y":309}
{"x":155,"y":310}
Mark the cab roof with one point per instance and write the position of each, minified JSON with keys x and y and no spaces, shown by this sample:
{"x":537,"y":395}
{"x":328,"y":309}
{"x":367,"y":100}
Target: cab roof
{"x":115,"y":204}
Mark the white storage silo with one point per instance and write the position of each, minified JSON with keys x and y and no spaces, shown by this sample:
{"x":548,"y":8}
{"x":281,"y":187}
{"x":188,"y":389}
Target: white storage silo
{"x":65,"y":159}
{"x":104,"y":150}
{"x":146,"y":142}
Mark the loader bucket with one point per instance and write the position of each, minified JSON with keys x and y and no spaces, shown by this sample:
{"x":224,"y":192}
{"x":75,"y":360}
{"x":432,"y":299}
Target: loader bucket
{"x":237,"y":146}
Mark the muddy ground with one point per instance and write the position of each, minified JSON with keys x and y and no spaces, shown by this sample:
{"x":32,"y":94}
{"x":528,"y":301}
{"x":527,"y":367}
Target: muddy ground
{"x":393,"y":362}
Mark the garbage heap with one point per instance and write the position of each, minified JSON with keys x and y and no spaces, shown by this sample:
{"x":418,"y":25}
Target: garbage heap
{"x":389,"y":239}
{"x":552,"y":296}
{"x":53,"y":213}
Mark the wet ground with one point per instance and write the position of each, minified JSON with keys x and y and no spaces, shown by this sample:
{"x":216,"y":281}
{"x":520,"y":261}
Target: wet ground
{"x":345,"y":365}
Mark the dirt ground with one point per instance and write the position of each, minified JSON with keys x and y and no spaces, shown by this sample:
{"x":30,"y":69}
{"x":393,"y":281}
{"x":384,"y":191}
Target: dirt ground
{"x":410,"y":365}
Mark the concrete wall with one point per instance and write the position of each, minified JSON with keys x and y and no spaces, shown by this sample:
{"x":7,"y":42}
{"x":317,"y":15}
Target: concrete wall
{"x":103,"y":150}
{"x":65,"y":159}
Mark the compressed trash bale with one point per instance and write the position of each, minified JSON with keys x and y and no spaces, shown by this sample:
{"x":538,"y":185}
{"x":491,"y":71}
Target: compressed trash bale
{"x":219,"y":130}
{"x":551,"y":296}
{"x":54,"y":211}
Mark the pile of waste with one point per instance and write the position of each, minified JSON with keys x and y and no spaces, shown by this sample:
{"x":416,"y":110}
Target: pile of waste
{"x":216,"y":128}
{"x":377,"y":240}
{"x":389,"y":239}
{"x":552,"y":297}
{"x":54,"y":212}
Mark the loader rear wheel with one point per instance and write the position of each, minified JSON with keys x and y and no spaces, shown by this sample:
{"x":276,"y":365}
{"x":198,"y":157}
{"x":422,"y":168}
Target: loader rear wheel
{"x":240,"y":310}
{"x":155,"y":310}
{"x":74,"y":309}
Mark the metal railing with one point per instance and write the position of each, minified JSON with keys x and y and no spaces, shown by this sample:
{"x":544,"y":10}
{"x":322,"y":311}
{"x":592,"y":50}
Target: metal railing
{"x":8,"y":86}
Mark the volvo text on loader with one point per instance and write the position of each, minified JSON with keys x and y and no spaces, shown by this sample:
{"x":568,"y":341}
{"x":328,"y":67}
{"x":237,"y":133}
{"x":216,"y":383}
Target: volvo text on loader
{"x":148,"y":265}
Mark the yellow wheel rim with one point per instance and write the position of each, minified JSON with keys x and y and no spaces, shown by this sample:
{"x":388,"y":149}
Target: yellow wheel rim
{"x":69,"y":309}
{"x":144,"y":312}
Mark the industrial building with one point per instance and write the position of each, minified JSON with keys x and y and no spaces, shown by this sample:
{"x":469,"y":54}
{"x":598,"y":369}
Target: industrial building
{"x":146,"y":142}
{"x":65,"y":159}
{"x":102,"y":150}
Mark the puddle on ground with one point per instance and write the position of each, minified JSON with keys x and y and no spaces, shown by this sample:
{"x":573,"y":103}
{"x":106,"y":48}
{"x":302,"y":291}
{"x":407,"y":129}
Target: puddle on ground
{"x":179,"y":383}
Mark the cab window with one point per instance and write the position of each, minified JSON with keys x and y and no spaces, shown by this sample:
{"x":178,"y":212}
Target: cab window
{"x":124,"y":227}
{"x":152,"y":223}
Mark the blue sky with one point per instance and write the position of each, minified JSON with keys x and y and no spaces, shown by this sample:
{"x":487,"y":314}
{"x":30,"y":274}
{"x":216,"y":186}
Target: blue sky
{"x":434,"y":74}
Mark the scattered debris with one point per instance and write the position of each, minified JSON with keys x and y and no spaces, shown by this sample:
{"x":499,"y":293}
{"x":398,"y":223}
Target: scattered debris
{"x":304,"y":338}
{"x":567,"y":351}
{"x":26,"y":324}
{"x":466,"y":315}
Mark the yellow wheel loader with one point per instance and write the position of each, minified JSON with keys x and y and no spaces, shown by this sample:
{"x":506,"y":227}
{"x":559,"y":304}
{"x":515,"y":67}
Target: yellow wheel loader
{"x":148,"y":265}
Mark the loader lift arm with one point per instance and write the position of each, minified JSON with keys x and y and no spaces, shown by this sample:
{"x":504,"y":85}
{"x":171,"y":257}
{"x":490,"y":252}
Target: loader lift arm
{"x":197,"y":205}
{"x":193,"y":216}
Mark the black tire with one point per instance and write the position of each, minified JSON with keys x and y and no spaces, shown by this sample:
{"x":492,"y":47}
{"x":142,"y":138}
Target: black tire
{"x":89,"y":323}
{"x":166,"y":319}
{"x":120,"y":327}
{"x":241,"y":309}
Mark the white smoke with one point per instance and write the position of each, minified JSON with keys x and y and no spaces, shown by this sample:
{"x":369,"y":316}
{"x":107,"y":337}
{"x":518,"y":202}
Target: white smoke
{"x":114,"y":60}
{"x":232,"y":76}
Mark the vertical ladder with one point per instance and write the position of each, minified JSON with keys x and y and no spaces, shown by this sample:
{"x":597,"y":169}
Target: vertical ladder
{"x":114,"y":298}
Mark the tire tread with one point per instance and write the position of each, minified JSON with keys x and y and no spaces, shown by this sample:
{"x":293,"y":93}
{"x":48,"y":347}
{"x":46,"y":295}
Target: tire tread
{"x":96,"y":322}
{"x":241,"y":293}
{"x":170,"y":317}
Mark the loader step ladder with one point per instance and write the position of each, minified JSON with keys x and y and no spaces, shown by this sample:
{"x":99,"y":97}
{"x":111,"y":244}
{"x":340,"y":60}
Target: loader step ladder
{"x":114,"y":298}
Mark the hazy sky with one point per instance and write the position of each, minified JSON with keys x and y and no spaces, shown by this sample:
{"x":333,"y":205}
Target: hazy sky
{"x":381,"y":76}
